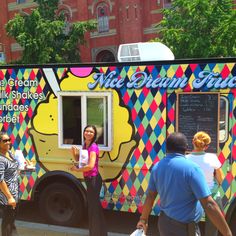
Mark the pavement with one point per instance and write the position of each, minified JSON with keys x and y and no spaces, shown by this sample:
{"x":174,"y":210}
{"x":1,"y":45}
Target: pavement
{"x":25,"y":228}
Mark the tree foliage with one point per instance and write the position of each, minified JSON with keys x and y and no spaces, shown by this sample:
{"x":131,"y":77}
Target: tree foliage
{"x":46,"y":37}
{"x":199,"y":28}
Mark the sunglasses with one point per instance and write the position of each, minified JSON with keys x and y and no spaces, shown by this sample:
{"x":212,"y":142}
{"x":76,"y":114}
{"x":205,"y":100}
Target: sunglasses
{"x":6,"y":140}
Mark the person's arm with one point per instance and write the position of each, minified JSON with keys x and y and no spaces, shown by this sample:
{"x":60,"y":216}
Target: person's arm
{"x":90,"y":166}
{"x":147,"y":207}
{"x":75,"y":153}
{"x":215,"y":215}
{"x":219,"y":175}
{"x":6,"y":192}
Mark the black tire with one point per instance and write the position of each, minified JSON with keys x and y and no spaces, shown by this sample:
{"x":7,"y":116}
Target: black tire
{"x":61,"y":204}
{"x":232,"y":223}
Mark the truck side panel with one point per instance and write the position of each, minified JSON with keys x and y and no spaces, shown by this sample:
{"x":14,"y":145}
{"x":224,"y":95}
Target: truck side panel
{"x":143,"y":107}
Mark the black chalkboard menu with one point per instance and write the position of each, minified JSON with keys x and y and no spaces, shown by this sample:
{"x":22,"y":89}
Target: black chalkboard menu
{"x":198,"y":112}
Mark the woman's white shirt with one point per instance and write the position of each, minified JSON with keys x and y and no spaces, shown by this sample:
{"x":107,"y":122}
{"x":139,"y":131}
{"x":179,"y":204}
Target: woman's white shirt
{"x":208,"y":162}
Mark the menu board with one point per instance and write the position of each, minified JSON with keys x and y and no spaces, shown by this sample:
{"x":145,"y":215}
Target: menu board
{"x":198,"y":112}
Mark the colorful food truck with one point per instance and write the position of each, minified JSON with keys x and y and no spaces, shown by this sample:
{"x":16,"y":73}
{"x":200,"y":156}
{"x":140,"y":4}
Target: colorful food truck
{"x":134,"y":106}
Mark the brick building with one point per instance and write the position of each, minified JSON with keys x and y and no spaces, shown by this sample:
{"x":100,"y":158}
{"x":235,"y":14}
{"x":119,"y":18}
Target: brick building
{"x":119,"y":21}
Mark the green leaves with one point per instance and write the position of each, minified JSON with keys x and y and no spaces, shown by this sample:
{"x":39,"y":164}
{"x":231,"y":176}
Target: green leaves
{"x":44,"y":37}
{"x":199,"y":28}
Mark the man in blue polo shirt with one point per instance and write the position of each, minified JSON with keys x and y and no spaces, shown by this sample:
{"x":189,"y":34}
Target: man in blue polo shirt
{"x":180,"y":184}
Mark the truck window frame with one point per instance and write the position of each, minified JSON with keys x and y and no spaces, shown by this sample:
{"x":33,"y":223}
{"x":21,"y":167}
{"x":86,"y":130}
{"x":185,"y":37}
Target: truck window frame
{"x":226,"y":120}
{"x":84,"y":96}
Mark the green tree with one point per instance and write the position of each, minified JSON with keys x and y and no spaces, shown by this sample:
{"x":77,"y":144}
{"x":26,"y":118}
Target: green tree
{"x":199,"y":28}
{"x":46,"y":37}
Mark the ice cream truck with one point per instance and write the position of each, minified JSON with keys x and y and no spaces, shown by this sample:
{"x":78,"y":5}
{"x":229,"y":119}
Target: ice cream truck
{"x":134,"y":106}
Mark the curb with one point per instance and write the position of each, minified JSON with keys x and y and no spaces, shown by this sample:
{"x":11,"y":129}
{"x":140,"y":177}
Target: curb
{"x":25,"y":228}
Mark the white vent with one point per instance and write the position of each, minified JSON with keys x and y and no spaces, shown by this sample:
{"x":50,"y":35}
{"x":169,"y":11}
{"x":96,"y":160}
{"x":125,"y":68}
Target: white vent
{"x":147,"y":51}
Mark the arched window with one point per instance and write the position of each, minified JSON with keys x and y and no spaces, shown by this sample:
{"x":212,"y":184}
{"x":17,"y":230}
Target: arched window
{"x":103,"y":18}
{"x":105,"y":56}
{"x":65,"y":12}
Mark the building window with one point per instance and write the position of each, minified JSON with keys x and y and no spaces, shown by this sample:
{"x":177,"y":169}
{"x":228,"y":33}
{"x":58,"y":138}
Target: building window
{"x":2,"y":57}
{"x":167,"y":3}
{"x":20,"y":1}
{"x":135,"y":12}
{"x":65,"y":12}
{"x":78,"y":109}
{"x":105,"y":56}
{"x":103,"y":18}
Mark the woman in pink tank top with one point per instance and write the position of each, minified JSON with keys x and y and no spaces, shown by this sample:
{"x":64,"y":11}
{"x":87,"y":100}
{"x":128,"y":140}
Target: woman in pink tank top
{"x":93,"y":181}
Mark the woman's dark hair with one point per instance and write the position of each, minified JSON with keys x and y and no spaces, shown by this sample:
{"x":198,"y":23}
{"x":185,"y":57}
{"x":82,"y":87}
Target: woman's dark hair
{"x":95,"y":132}
{"x":176,"y":142}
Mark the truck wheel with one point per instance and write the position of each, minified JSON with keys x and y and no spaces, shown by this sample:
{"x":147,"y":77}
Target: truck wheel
{"x":60,"y":204}
{"x":232,"y":223}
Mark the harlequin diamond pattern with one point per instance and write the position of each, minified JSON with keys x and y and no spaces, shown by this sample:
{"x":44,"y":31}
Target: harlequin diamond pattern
{"x":153,"y":116}
{"x":148,"y":114}
{"x":19,"y":131}
{"x":226,"y":155}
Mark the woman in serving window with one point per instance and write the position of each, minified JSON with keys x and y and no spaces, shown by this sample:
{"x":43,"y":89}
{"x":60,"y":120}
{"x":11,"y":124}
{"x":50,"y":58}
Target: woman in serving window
{"x":93,"y":180}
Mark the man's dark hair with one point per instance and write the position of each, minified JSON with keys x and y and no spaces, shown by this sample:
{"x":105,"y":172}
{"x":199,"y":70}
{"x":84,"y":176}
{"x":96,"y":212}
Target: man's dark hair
{"x":176,"y":142}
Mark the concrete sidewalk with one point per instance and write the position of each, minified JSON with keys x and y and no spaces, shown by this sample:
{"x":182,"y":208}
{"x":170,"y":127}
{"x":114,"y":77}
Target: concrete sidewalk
{"x":35,"y":229}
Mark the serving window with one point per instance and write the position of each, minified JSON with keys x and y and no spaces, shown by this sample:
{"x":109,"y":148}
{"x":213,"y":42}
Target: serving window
{"x":78,"y":109}
{"x":224,"y":119}
{"x":199,"y":111}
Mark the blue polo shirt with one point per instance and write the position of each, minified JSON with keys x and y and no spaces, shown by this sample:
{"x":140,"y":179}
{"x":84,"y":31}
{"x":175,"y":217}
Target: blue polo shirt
{"x":180,"y":183}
